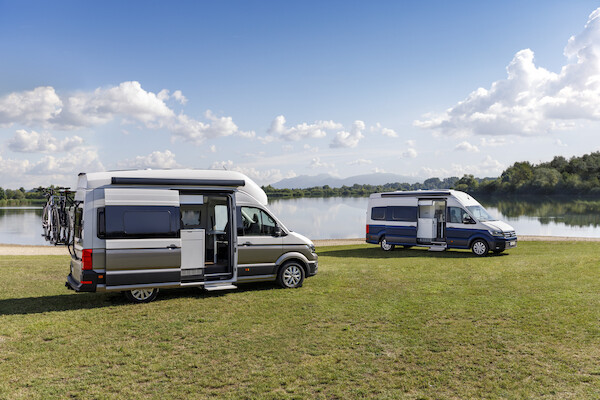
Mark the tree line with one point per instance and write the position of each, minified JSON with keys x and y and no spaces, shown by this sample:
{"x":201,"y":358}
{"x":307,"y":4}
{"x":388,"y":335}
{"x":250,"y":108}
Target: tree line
{"x":577,"y":175}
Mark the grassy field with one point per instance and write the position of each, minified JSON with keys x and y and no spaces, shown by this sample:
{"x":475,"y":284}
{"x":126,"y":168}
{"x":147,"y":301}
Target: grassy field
{"x":404,"y":324}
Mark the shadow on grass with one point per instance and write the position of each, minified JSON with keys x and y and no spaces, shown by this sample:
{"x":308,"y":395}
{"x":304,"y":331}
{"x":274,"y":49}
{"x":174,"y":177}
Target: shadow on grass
{"x":376,"y":252}
{"x":86,"y":301}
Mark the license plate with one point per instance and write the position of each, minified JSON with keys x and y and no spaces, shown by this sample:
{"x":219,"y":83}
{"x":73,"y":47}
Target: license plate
{"x":512,"y":244}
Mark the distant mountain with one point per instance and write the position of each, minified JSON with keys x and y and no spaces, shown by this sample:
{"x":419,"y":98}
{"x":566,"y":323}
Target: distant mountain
{"x":306,"y":181}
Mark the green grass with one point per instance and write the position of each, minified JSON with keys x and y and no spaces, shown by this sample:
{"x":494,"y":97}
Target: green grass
{"x":404,"y":324}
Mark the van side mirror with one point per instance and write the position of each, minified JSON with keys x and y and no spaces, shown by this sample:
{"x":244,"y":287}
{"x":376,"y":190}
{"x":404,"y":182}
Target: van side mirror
{"x":277,"y":232}
{"x":468,"y":220}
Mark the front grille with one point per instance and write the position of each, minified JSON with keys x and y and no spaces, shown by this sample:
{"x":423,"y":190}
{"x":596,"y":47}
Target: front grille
{"x":510,"y":234}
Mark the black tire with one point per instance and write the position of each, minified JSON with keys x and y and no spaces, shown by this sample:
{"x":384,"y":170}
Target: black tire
{"x":145,"y":295}
{"x":480,"y":248}
{"x":385,"y":246}
{"x":291,"y":275}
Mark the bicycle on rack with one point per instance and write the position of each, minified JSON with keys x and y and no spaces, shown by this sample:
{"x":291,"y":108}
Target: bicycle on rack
{"x":57,"y":216}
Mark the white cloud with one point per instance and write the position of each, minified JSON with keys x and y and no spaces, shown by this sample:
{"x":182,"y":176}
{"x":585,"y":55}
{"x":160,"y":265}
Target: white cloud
{"x":384,"y":131}
{"x":487,"y":167}
{"x":560,"y":143}
{"x":156,"y":159}
{"x":532,"y":100}
{"x":316,"y":162}
{"x":177,"y":95}
{"x":360,"y":161}
{"x":213,"y":148}
{"x":378,"y":170}
{"x":197,"y":132}
{"x":43,"y":107}
{"x":349,"y":139}
{"x":317,"y":129}
{"x":466,"y":146}
{"x":30,"y":108}
{"x":263,"y":177}
{"x":409,"y":153}
{"x":411,"y":143}
{"x":34,"y":142}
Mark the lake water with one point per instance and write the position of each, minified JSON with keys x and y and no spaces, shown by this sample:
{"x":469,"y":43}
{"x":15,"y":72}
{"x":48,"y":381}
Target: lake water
{"x":344,"y":217}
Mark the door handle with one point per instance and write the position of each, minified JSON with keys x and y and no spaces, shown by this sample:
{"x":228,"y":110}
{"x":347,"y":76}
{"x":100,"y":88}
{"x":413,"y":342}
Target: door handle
{"x":171,"y":246}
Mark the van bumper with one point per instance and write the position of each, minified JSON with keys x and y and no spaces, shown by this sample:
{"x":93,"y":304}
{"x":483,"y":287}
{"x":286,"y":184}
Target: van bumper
{"x":88,"y":282}
{"x":503,"y":244}
{"x":313,"y":268}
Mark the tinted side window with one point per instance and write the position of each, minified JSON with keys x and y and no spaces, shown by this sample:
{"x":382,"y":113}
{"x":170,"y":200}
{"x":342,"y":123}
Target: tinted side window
{"x":456,"y":215}
{"x":252,"y":221}
{"x":378,"y":213}
{"x":399,"y":213}
{"x":138,"y":222}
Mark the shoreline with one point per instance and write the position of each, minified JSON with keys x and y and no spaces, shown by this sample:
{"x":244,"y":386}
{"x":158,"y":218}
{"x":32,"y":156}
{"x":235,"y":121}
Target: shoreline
{"x":35,"y":250}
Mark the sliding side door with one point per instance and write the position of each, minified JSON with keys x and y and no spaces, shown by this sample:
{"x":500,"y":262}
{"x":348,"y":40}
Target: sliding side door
{"x":142,"y":232}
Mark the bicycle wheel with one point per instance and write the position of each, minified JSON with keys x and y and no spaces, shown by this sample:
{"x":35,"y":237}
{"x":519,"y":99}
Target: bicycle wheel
{"x":55,"y":227}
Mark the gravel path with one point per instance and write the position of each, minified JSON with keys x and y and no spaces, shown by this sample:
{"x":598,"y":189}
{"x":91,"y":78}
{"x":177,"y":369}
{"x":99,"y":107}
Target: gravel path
{"x":25,"y":250}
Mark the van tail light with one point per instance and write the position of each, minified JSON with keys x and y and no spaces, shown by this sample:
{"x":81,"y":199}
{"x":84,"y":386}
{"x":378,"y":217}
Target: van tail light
{"x":86,"y":259}
{"x":367,"y":229}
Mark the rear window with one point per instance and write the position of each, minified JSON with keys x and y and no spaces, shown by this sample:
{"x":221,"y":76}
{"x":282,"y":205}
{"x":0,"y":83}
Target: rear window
{"x":378,"y":213}
{"x":138,"y":222}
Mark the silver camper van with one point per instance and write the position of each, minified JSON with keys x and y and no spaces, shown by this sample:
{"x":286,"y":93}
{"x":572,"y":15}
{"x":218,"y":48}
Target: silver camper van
{"x":437,"y":219}
{"x":139,"y":231}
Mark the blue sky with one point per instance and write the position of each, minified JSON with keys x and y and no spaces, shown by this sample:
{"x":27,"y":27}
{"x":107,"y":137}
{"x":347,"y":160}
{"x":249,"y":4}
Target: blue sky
{"x":278,"y":89}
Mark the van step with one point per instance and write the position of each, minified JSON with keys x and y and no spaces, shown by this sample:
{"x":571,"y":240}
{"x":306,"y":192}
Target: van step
{"x":213,"y":287}
{"x":437,"y":248}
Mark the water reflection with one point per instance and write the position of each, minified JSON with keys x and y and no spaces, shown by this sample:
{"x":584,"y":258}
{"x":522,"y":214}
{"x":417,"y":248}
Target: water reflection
{"x":344,"y":217}
{"x":21,"y":225}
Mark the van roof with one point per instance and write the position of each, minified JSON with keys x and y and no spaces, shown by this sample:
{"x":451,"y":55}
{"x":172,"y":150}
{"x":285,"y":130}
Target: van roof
{"x":426,"y":193}
{"x":174,"y":177}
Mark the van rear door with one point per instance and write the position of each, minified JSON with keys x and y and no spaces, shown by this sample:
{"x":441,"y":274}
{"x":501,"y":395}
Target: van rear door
{"x":142,"y":232}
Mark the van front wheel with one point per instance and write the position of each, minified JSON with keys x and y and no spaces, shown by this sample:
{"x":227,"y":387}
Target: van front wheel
{"x":141,"y":295}
{"x":480,"y":247}
{"x":385,"y":246}
{"x":291,"y":275}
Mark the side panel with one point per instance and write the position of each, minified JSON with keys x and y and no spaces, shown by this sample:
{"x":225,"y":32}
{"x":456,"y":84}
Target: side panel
{"x":142,"y":236}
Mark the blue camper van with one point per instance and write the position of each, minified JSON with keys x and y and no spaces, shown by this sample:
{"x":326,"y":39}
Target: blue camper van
{"x":437,"y":219}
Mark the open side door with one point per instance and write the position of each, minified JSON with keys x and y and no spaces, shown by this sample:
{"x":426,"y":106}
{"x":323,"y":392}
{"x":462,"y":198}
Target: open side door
{"x":142,"y":232}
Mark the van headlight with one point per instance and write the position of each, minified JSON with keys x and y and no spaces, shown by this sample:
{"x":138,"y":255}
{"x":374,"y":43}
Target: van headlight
{"x":496,"y":233}
{"x":312,"y":248}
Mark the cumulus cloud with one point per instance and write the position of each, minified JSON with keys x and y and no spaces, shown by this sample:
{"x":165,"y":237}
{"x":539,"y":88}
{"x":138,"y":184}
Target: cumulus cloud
{"x":156,"y":159}
{"x":34,"y":107}
{"x":43,"y":107}
{"x":197,"y":132}
{"x":34,"y":142}
{"x":409,"y":153}
{"x":349,"y":139}
{"x":317,"y":129}
{"x":261,"y":177}
{"x":532,"y":100}
{"x":316,"y":162}
{"x":493,"y":141}
{"x":377,"y":128}
{"x":360,"y":161}
{"x":466,"y":146}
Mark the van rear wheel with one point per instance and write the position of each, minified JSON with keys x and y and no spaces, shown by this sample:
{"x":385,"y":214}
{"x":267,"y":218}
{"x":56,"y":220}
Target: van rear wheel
{"x":141,"y":295}
{"x":291,"y":275}
{"x":480,"y":247}
{"x":385,"y":246}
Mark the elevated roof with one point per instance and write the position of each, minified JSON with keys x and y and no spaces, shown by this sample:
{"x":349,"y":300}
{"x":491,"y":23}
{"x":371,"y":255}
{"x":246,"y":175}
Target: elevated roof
{"x":192,"y":178}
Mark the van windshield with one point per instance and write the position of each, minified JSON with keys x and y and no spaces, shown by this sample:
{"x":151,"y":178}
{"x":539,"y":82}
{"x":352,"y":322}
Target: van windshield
{"x":480,"y":214}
